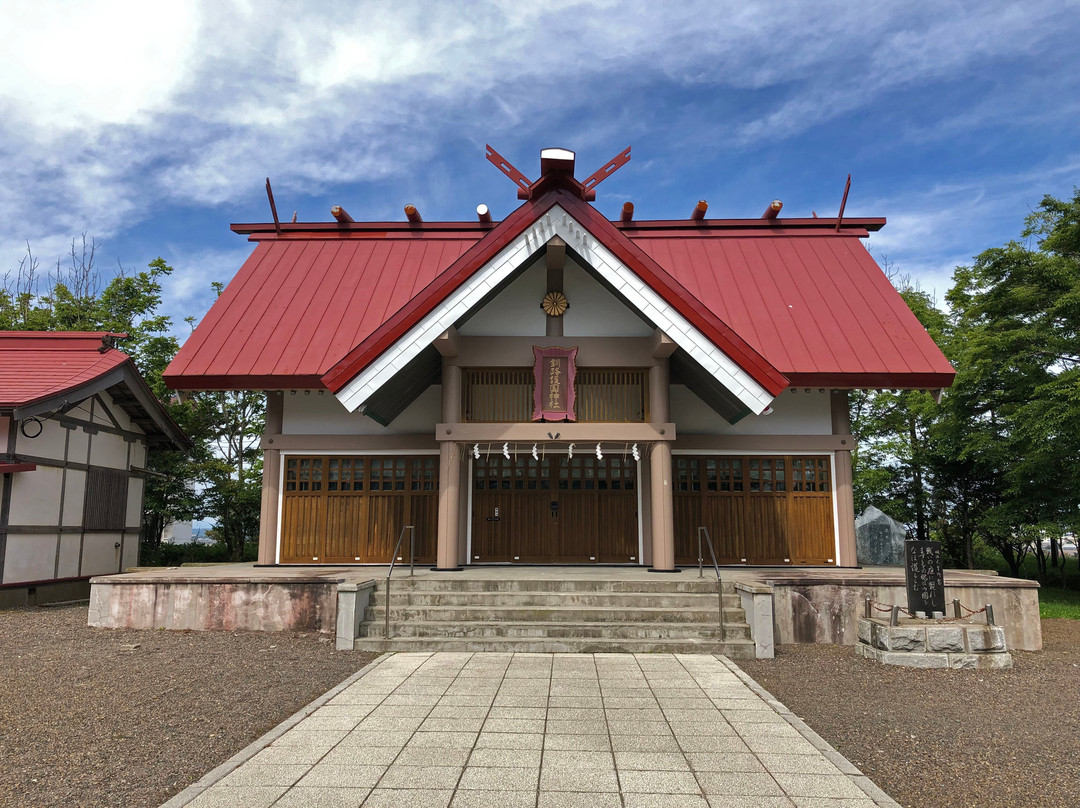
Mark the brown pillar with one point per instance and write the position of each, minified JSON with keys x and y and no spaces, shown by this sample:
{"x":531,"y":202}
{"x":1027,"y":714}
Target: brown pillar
{"x":448,"y":547}
{"x":661,"y":506}
{"x":268,"y":514}
{"x":842,"y":484}
{"x":645,"y":484}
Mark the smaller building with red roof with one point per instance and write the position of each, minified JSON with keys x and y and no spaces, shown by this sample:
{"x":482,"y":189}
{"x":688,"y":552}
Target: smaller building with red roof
{"x":558,"y":387}
{"x":76,"y":419}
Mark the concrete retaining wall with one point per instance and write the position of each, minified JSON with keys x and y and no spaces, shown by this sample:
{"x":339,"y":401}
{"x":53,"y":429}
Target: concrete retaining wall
{"x":214,"y":606}
{"x":829,"y":612}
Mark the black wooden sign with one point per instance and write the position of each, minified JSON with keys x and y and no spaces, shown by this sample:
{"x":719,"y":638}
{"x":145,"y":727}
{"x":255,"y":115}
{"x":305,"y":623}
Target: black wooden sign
{"x":925,"y":576}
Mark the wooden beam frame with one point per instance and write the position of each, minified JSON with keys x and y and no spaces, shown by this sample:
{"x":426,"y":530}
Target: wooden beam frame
{"x":567,"y":432}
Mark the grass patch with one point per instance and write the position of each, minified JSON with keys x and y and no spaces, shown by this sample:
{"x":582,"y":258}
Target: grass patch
{"x":1057,"y":602}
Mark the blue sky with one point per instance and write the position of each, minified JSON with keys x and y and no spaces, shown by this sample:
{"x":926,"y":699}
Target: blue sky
{"x":151,"y":126}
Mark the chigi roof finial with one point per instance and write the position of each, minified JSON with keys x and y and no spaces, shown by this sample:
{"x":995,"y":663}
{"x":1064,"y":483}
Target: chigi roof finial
{"x":557,"y":163}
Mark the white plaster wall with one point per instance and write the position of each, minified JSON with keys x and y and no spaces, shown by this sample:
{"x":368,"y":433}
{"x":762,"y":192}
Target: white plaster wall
{"x":78,"y":441}
{"x":118,"y":413}
{"x":134,"y":503}
{"x":69,"y":556}
{"x":594,"y":311}
{"x":131,"y":551}
{"x":316,"y":414}
{"x":29,"y":557}
{"x":75,"y":494}
{"x":109,"y":450}
{"x":35,"y":497}
{"x":794,"y":413}
{"x":514,"y":312}
{"x":100,"y":557}
{"x":50,"y":443}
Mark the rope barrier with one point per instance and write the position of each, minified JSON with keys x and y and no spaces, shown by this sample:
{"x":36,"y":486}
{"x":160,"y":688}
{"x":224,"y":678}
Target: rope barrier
{"x":887,"y":608}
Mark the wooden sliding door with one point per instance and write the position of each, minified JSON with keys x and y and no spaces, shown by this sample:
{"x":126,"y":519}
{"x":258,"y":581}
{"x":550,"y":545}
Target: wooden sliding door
{"x":554,"y":509}
{"x":348,"y":510}
{"x":758,"y":509}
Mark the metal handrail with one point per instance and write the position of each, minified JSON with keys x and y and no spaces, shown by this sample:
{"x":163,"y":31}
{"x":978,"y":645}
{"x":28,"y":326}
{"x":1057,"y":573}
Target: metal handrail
{"x":701,"y":571}
{"x":393,"y":561}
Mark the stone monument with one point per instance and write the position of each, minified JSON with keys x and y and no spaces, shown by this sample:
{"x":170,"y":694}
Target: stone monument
{"x":879,"y":539}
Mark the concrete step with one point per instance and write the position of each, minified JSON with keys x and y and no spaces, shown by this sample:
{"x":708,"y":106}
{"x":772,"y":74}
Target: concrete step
{"x":450,"y":583}
{"x":540,"y":614}
{"x":628,"y":600}
{"x":737,"y":649}
{"x":538,"y":630}
{"x":553,"y":614}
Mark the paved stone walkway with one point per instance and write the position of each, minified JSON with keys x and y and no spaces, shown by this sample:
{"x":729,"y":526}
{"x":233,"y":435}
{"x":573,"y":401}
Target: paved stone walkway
{"x":431,"y":730}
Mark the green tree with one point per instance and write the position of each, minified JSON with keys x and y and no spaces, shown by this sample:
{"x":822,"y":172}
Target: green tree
{"x":1015,"y":405}
{"x":220,"y":477}
{"x":891,"y":460}
{"x":234,"y":476}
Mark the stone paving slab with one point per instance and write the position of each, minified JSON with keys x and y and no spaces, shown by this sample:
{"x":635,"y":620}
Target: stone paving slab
{"x":454,"y":730}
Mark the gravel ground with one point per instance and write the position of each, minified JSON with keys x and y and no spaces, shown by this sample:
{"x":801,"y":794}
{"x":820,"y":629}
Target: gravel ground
{"x":129,"y":718}
{"x":942,"y":738}
{"x":93,"y":717}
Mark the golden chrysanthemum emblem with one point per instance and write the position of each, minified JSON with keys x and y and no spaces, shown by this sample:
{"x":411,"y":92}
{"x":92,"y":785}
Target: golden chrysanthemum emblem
{"x":555,"y":304}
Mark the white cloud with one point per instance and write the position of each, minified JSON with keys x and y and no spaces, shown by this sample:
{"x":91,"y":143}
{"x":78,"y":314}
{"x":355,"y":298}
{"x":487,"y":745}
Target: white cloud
{"x":933,"y":231}
{"x":72,"y":64}
{"x":113,"y":111}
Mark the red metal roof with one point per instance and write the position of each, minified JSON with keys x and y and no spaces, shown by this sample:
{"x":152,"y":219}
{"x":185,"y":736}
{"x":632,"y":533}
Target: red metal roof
{"x":297,"y":306}
{"x":791,"y":300}
{"x":816,"y":305}
{"x":507,"y":231}
{"x":37,"y":365}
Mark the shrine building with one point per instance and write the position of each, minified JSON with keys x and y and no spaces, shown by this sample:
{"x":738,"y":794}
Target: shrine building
{"x":557,"y":387}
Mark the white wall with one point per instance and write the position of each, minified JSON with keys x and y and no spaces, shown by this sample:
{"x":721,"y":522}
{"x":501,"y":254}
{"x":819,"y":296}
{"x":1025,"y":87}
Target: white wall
{"x":593,"y":312}
{"x":515,"y":311}
{"x":794,"y":413}
{"x":314,"y":414}
{"x":36,"y":498}
{"x":596,"y":312}
{"x":74,"y":497}
{"x":69,"y":556}
{"x":29,"y":557}
{"x":100,"y":554}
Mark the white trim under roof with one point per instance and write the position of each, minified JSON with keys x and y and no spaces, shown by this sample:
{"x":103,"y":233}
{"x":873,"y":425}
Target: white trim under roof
{"x":556,"y":222}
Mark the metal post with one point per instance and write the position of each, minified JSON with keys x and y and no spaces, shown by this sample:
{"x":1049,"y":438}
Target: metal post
{"x":412,"y":551}
{"x":386,"y":608}
{"x":990,"y":615}
{"x":700,"y":557}
{"x":867,"y":607}
{"x":894,"y":617}
{"x":956,"y":607}
{"x":720,"y":597}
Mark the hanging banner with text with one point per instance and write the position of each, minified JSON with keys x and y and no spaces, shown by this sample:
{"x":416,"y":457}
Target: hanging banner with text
{"x":553,"y":372}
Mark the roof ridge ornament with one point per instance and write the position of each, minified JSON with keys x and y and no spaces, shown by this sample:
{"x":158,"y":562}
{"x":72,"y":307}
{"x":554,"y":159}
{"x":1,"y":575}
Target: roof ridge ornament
{"x":557,"y":162}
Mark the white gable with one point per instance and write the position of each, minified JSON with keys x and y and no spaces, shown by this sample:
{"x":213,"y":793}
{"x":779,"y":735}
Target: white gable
{"x":557,"y":222}
{"x":593,"y":312}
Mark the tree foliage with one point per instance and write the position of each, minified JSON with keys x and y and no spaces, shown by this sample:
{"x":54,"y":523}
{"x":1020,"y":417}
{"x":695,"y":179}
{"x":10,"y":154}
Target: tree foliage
{"x":995,"y":464}
{"x":220,"y":478}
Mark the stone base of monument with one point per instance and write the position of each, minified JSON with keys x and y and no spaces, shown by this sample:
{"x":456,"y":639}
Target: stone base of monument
{"x":933,"y":644}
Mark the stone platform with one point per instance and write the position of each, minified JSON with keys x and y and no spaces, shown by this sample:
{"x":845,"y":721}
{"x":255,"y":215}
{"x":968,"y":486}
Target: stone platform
{"x":933,"y":644}
{"x":778,"y":605}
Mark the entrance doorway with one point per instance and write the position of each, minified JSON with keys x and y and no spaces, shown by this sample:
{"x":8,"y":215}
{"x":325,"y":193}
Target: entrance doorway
{"x":555,"y":510}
